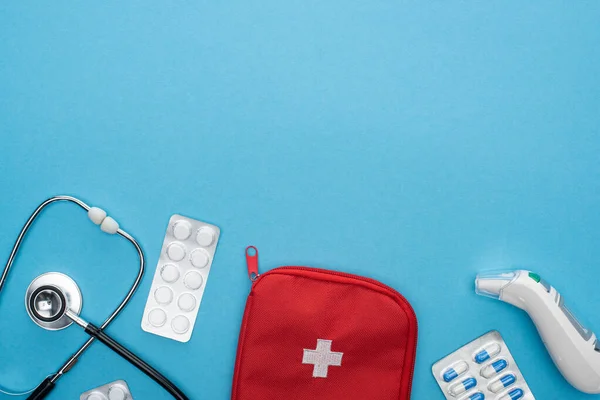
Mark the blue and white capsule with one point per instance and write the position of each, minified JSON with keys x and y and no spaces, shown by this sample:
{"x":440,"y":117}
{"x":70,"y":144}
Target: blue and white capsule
{"x":476,"y":396}
{"x":502,"y":383}
{"x":454,"y":371}
{"x":514,"y":394}
{"x":461,"y":387}
{"x":488,"y":352}
{"x":494,"y":368}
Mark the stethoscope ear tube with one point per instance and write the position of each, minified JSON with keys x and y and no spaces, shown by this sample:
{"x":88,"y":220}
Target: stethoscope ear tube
{"x":136,"y":361}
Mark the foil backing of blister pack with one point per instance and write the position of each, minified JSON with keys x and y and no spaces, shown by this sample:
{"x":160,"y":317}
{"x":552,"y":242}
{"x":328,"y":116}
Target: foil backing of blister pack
{"x":443,"y":370}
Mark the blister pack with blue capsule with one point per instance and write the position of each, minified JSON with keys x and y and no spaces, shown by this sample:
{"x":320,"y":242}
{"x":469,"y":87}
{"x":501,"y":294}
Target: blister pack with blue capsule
{"x":482,"y":369}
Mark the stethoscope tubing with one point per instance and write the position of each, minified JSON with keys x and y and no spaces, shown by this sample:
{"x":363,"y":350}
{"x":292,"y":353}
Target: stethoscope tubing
{"x":133,"y":359}
{"x":64,"y":312}
{"x":52,"y":379}
{"x":73,"y":359}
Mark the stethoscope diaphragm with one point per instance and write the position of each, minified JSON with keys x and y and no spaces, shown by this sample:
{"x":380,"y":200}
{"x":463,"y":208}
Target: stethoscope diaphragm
{"x":48,"y":298}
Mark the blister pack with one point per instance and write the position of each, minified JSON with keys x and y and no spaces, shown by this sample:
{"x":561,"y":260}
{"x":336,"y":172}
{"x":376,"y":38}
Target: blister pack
{"x":482,"y":369}
{"x":180,"y":278}
{"x":117,"y":390}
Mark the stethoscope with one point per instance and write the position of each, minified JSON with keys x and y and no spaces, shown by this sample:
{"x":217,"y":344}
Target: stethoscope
{"x":54,"y":301}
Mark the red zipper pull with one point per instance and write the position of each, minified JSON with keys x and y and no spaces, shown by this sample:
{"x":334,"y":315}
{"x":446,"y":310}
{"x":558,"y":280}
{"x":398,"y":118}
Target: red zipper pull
{"x":252,"y":262}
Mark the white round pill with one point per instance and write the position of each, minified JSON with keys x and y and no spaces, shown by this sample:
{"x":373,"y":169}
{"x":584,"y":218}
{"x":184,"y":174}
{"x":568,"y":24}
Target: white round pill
{"x":205,"y":236}
{"x":176,"y":251}
{"x":169,"y":273}
{"x":182,"y":230}
{"x":192,"y":280}
{"x":157,"y":317}
{"x":180,"y":324}
{"x":186,"y":302}
{"x":96,"y":396}
{"x":163,"y":295}
{"x":117,"y":393}
{"x":199,"y":258}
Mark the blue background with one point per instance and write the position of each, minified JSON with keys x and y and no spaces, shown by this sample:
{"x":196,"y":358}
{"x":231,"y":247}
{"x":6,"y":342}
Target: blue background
{"x":413,"y":143}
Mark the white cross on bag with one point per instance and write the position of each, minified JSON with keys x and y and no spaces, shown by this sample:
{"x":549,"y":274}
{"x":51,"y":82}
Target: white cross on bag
{"x":322,"y":358}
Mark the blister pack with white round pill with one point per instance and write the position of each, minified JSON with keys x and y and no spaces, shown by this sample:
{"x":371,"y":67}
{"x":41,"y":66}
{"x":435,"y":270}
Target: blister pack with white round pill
{"x":482,"y":369}
{"x":117,"y":390}
{"x":180,"y":278}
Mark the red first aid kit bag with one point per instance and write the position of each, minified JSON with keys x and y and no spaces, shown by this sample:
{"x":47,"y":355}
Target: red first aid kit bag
{"x":313,"y":334}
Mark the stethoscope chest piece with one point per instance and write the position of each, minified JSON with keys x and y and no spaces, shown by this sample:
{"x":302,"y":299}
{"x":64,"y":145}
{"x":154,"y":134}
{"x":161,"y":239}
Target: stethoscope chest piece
{"x":48,"y":298}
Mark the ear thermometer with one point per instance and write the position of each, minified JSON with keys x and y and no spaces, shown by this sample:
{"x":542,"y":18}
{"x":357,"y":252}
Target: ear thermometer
{"x":574,"y":349}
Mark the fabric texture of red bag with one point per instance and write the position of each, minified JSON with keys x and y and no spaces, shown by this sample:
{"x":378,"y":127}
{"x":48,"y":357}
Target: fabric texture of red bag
{"x":311,"y":334}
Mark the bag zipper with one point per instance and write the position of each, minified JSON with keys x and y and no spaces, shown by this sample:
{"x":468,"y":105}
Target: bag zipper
{"x":254,"y":275}
{"x":252,"y":263}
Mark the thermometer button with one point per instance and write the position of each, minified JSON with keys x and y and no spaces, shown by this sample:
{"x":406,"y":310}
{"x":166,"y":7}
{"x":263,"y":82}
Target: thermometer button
{"x":535,"y":277}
